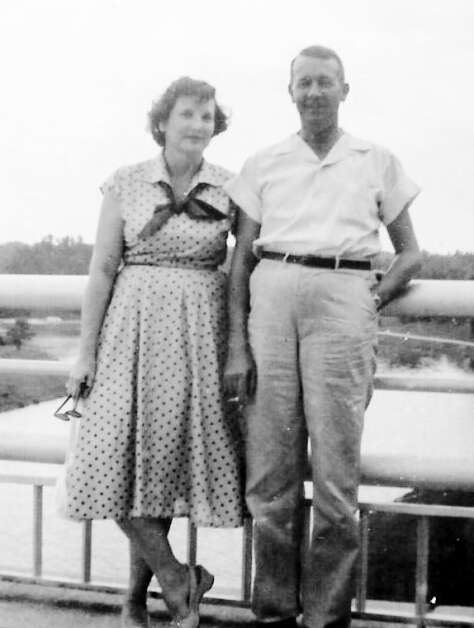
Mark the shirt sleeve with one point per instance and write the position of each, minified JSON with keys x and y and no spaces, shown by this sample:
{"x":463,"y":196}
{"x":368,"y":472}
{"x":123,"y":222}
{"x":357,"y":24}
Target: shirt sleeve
{"x":399,"y":191}
{"x":244,"y":190}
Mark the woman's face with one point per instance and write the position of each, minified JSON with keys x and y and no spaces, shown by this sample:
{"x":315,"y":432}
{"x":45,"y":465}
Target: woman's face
{"x":190,"y":125}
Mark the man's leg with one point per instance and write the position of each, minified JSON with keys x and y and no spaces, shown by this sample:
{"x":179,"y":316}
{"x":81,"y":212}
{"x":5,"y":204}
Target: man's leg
{"x":275,"y":445}
{"x":337,"y":363}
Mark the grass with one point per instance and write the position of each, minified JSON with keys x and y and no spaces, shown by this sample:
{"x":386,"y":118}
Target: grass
{"x":417,"y":353}
{"x":17,"y":391}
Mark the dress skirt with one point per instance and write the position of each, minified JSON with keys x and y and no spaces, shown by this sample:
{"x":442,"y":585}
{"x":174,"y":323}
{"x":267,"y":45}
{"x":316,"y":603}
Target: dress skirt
{"x":154,"y":439}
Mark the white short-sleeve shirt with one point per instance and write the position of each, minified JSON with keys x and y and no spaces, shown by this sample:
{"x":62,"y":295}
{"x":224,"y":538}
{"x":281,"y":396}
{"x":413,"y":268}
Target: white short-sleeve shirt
{"x":334,"y":206}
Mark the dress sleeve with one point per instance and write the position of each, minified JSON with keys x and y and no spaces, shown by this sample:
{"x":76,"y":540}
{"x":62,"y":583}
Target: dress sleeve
{"x":399,"y":191}
{"x":112,"y":185}
{"x":244,"y":190}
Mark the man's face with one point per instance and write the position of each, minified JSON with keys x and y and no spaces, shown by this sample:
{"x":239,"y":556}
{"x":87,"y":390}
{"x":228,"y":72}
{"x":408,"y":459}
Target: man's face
{"x":317,"y":90}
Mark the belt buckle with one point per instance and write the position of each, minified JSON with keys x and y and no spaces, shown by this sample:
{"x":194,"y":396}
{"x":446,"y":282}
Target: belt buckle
{"x":337,"y":261}
{"x":285,"y":257}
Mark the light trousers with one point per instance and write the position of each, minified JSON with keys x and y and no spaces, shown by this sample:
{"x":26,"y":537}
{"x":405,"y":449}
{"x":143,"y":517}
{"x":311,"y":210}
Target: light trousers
{"x":313,"y":335}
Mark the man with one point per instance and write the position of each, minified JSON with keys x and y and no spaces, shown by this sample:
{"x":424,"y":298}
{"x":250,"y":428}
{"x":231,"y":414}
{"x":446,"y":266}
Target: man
{"x":305,"y":332}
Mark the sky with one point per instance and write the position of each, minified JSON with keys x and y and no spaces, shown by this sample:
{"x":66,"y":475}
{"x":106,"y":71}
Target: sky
{"x":79,"y":77}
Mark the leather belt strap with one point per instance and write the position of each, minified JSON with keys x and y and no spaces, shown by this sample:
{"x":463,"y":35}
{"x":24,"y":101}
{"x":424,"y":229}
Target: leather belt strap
{"x":317,"y":262}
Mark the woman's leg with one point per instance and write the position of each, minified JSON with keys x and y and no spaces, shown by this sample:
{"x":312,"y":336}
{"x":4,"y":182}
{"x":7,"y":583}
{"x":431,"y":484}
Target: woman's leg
{"x":140,"y":576}
{"x":134,"y":611}
{"x":150,"y":538}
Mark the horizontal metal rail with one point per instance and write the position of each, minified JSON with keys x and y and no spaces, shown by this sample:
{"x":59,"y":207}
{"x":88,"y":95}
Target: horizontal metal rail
{"x":383,"y":382}
{"x":52,"y":293}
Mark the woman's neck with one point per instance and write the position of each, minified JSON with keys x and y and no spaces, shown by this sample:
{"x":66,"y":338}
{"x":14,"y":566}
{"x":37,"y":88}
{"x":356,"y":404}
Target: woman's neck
{"x":182,"y":165}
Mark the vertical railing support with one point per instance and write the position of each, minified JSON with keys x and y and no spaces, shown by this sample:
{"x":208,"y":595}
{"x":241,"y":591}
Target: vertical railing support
{"x":247,"y":543}
{"x":363,"y":566}
{"x":37,"y":530}
{"x":191,"y":552}
{"x":306,"y":532}
{"x":86,"y":550}
{"x":422,"y":555}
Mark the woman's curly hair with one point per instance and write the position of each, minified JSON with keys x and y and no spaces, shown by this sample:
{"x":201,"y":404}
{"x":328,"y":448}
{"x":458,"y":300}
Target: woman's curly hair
{"x":184,"y":86}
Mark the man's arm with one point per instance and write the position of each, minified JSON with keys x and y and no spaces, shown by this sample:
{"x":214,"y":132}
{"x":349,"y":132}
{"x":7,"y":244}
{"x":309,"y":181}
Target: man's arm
{"x":407,"y":259}
{"x":239,"y":374}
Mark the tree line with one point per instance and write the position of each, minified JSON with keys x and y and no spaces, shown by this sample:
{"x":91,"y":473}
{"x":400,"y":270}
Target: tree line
{"x":456,"y":265}
{"x":50,"y":256}
{"x":71,"y":256}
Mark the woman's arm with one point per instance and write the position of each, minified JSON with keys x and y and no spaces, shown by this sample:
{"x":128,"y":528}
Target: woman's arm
{"x":407,"y":260}
{"x":239,"y":374}
{"x":103,"y":269}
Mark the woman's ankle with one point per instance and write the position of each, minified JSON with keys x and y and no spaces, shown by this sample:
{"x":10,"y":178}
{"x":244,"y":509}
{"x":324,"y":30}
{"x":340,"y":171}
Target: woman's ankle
{"x":175,"y":588}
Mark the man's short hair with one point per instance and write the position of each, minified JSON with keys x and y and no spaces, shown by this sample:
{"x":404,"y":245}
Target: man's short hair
{"x":319,"y":52}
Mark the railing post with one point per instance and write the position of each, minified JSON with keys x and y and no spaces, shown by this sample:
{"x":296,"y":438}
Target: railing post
{"x":422,"y":555}
{"x":247,"y":543}
{"x":192,"y":543}
{"x":37,"y":530}
{"x":86,"y":550}
{"x":306,"y":532}
{"x":363,"y":565}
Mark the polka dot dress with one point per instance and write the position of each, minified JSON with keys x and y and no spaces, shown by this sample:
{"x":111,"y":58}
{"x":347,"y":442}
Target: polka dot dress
{"x":154,"y":439}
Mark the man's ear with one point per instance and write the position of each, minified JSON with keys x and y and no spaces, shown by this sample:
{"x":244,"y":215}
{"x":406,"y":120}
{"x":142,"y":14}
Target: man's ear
{"x":290,"y":91}
{"x":345,"y":90}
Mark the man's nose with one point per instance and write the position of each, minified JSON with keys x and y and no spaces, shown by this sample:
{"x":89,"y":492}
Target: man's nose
{"x":314,"y":89}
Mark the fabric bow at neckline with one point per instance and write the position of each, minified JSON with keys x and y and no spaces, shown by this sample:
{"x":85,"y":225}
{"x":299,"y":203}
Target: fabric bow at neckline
{"x":192,"y":206}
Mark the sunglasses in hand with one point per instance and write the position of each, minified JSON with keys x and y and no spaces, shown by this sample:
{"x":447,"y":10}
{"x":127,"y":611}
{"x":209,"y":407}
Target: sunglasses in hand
{"x":65,"y":415}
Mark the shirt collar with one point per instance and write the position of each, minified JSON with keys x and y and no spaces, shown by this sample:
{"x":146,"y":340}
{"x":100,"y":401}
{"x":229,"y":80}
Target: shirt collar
{"x":155,"y":170}
{"x":344,"y":145}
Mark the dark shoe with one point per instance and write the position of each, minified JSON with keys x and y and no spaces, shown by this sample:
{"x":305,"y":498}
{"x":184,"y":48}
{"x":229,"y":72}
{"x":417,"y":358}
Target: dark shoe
{"x":289,"y":622}
{"x":200,"y":581}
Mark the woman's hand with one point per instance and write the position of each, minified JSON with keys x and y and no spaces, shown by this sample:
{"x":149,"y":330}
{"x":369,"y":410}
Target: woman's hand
{"x":81,"y":378}
{"x":240,"y":376}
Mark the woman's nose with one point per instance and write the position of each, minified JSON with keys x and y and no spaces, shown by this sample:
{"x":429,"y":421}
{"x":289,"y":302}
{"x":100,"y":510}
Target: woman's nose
{"x":196,"y":123}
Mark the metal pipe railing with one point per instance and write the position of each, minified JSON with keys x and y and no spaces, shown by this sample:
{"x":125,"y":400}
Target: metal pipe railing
{"x":53,"y":293}
{"x":420,"y":615}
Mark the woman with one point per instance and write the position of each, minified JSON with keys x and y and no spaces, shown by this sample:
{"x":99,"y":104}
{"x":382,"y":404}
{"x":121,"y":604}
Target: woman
{"x":154,"y":442}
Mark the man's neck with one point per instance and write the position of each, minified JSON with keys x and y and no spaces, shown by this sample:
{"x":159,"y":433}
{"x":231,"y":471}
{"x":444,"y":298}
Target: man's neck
{"x":321,"y":140}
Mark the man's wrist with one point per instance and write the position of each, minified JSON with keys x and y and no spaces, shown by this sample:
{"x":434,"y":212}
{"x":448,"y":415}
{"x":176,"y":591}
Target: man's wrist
{"x":237,"y":343}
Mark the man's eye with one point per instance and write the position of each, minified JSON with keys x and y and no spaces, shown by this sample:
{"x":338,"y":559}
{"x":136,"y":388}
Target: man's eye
{"x":304,"y":83}
{"x":207,"y":117}
{"x":187,"y":113}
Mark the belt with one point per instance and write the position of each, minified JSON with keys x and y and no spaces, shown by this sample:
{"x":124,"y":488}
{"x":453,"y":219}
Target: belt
{"x":317,"y":262}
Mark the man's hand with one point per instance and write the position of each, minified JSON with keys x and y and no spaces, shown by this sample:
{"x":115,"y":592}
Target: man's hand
{"x":240,"y":376}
